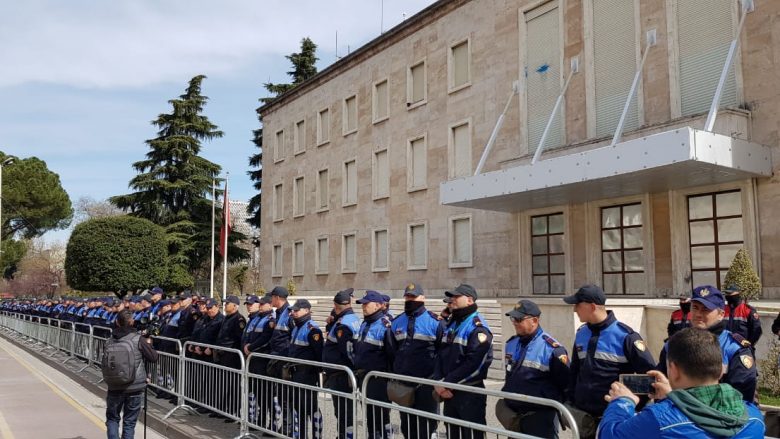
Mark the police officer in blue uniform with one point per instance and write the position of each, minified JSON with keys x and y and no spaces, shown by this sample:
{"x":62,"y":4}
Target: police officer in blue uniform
{"x":339,"y":349}
{"x":707,"y":312}
{"x":372,"y":353}
{"x":189,"y":316}
{"x":464,"y":358}
{"x":306,"y":344}
{"x":536,"y":365}
{"x":604,"y":348}
{"x":257,"y":339}
{"x":416,"y":336}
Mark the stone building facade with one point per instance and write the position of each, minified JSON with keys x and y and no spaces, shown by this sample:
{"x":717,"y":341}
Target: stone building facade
{"x":369,"y":166}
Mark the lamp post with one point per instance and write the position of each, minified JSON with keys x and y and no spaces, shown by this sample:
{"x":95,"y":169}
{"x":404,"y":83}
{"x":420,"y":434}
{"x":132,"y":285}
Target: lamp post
{"x":7,"y":161}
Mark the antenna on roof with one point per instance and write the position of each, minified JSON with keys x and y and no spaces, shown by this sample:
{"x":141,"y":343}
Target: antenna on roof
{"x":382,"y":17}
{"x":337,"y":45}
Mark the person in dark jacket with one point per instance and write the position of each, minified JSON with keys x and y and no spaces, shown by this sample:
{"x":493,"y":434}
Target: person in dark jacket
{"x":338,"y":350}
{"x":680,"y":318}
{"x":124,"y":403}
{"x":306,"y":344}
{"x":257,"y":339}
{"x":229,"y":337}
{"x":741,"y":318}
{"x":690,"y":403}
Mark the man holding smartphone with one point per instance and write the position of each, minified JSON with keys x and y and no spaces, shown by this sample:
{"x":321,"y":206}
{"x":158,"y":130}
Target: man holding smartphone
{"x":690,"y":403}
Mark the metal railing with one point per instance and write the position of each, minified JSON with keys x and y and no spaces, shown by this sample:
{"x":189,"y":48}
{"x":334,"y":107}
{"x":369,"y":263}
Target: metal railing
{"x":279,"y":396}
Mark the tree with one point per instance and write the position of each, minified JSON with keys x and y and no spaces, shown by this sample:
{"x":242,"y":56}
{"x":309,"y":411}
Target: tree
{"x":304,"y":66}
{"x":34,"y":202}
{"x":174,"y":181}
{"x":742,"y":274}
{"x":116,"y":253}
{"x":87,"y":208}
{"x":41,"y":270}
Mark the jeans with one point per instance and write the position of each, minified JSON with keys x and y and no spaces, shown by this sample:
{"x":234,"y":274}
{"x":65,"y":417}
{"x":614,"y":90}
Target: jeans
{"x":116,"y":404}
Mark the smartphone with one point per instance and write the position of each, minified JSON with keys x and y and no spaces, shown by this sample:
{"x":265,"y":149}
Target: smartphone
{"x":638,"y":383}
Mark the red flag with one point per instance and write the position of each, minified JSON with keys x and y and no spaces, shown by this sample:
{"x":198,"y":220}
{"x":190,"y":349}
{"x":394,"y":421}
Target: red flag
{"x":226,"y":226}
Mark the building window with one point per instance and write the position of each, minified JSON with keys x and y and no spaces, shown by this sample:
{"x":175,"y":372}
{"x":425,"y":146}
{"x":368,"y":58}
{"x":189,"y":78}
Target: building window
{"x":547,"y":254}
{"x":323,"y":192}
{"x":323,"y":127}
{"x":299,"y":197}
{"x":416,"y":85}
{"x":622,"y":249}
{"x":279,"y":146}
{"x":704,"y":34}
{"x":349,"y":191}
{"x":276,"y":261}
{"x":614,"y":64}
{"x":459,"y":61}
{"x":381,"y":101}
{"x":417,"y":164}
{"x":298,"y":258}
{"x":350,"y":122}
{"x":716,"y":234}
{"x":460,"y":150}
{"x":300,"y":137}
{"x":460,"y":242}
{"x":321,"y":260}
{"x":349,"y":253}
{"x":278,"y":202}
{"x":380,"y":251}
{"x":542,"y":74}
{"x":417,"y":246}
{"x":381,"y":175}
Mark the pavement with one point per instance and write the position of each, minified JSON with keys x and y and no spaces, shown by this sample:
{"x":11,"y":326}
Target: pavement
{"x":38,"y":401}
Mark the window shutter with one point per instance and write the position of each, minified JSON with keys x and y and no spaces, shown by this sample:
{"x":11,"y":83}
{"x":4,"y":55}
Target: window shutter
{"x":350,"y":118}
{"x":705,"y":30}
{"x":614,"y":48}
{"x":419,"y":163}
{"x":299,"y":196}
{"x":278,"y":209}
{"x":323,"y":192}
{"x":277,"y":259}
{"x":380,"y":111}
{"x":279,"y":146}
{"x":381,"y":249}
{"x":324,"y":128}
{"x":460,"y":64}
{"x":418,"y":83}
{"x":543,"y":74}
{"x":382,"y":174}
{"x":299,"y":257}
{"x":351,"y":182}
{"x":300,"y":136}
{"x":462,"y":240}
{"x":322,"y":254}
{"x":462,"y":150}
{"x":418,"y":245}
{"x":349,"y":255}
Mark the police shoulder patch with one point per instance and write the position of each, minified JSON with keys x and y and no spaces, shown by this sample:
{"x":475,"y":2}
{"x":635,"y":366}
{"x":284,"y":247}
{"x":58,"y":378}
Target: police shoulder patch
{"x":339,"y":333}
{"x":741,"y":340}
{"x":563,"y":358}
{"x":482,"y":337}
{"x":271,"y":324}
{"x":386,"y":322}
{"x":242,"y":323}
{"x":316,"y":337}
{"x":477,"y":321}
{"x":747,"y":361}
{"x":640,"y":345}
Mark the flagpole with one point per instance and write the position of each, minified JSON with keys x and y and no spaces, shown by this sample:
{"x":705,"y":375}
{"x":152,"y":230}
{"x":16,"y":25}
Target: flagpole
{"x":213,"y":213}
{"x":225,"y":205}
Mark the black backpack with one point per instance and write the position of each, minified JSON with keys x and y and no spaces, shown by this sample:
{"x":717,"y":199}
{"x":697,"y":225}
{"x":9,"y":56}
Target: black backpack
{"x":118,"y":363}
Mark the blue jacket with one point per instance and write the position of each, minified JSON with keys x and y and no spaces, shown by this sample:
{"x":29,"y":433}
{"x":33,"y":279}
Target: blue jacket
{"x":306,"y":341}
{"x":466,"y":353}
{"x":280,"y":339}
{"x":339,"y":344}
{"x":537,"y":366}
{"x":415,"y":340}
{"x":664,"y":420}
{"x":601,"y":353}
{"x":371,"y":348}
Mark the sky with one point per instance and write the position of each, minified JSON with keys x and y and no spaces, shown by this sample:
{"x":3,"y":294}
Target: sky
{"x":81,"y":80}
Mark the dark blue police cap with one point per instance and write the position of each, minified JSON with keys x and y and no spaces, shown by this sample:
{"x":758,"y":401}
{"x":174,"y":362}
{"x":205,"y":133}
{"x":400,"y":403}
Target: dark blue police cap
{"x":280,"y":291}
{"x":588,"y":294}
{"x":709,"y":296}
{"x":344,"y":297}
{"x":372,"y":296}
{"x":525,"y":308}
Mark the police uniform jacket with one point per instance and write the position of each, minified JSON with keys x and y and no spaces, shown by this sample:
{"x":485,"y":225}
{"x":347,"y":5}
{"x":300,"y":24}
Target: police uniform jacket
{"x":601,"y":353}
{"x":743,"y":320}
{"x":339,"y":344}
{"x":466,"y":351}
{"x":536,"y":365}
{"x":257,"y":334}
{"x":306,"y":340}
{"x":678,"y":322}
{"x":664,"y":420}
{"x":211,"y":329}
{"x":280,"y":339}
{"x":738,"y":361}
{"x":415,"y":340}
{"x":231,"y":331}
{"x":372,"y":345}
{"x":187,"y":320}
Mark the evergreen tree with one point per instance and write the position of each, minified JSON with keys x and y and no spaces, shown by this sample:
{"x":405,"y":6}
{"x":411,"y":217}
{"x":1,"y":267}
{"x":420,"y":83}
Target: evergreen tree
{"x":173,"y":183}
{"x":742,"y":274}
{"x":303,"y":67}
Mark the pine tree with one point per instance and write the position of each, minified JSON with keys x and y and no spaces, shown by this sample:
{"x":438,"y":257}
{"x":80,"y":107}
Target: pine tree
{"x":303,"y":67}
{"x":173,"y":183}
{"x":742,"y":274}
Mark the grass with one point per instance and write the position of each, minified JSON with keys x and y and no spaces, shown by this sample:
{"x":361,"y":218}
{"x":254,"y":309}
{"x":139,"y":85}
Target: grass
{"x":768,"y":399}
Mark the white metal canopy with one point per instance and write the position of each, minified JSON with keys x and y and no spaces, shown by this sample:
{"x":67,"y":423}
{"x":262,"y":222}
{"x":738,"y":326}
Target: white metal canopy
{"x":675,"y":159}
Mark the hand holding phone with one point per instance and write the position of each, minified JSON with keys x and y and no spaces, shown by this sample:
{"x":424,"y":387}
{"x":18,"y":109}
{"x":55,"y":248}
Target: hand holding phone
{"x":638,"y":383}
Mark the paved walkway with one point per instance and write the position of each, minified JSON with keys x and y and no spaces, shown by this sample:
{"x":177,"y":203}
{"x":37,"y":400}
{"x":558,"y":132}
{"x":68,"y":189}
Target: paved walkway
{"x":37,"y":401}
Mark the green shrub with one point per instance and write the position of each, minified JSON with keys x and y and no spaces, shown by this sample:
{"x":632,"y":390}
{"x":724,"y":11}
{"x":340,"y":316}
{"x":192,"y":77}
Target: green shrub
{"x":742,"y":274}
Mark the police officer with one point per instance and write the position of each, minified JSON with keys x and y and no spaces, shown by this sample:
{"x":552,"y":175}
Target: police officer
{"x":189,"y":315}
{"x":464,"y":358}
{"x":157,"y":295}
{"x":680,"y":318}
{"x":210,"y":331}
{"x":536,"y":365}
{"x":373,"y":353}
{"x":742,"y":318}
{"x":415,"y":340}
{"x":306,"y":344}
{"x":141,"y":317}
{"x":604,"y":348}
{"x":339,"y":350}
{"x":257,"y":339}
{"x":230,"y":336}
{"x":739,"y":364}
{"x":280,"y":345}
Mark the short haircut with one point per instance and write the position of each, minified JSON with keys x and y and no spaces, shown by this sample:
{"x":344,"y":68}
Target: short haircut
{"x":124,"y":319}
{"x":697,"y":353}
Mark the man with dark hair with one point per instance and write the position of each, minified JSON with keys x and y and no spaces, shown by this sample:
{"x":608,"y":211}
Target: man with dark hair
{"x":690,"y":403}
{"x":338,"y":349}
{"x":124,"y":400}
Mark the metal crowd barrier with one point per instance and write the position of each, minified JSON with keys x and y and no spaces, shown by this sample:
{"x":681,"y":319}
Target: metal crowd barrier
{"x":278,"y":396}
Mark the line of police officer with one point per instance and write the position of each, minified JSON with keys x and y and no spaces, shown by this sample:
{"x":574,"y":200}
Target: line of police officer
{"x":454,"y":346}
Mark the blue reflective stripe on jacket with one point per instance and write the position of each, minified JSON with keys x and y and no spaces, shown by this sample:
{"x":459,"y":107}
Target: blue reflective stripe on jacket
{"x":529,"y":369}
{"x":415,"y":354}
{"x":299,"y":345}
{"x":370,"y":349}
{"x":664,"y":420}
{"x":454,"y":351}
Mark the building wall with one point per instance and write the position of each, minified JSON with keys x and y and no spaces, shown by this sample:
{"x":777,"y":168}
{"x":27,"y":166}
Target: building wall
{"x":500,"y":262}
